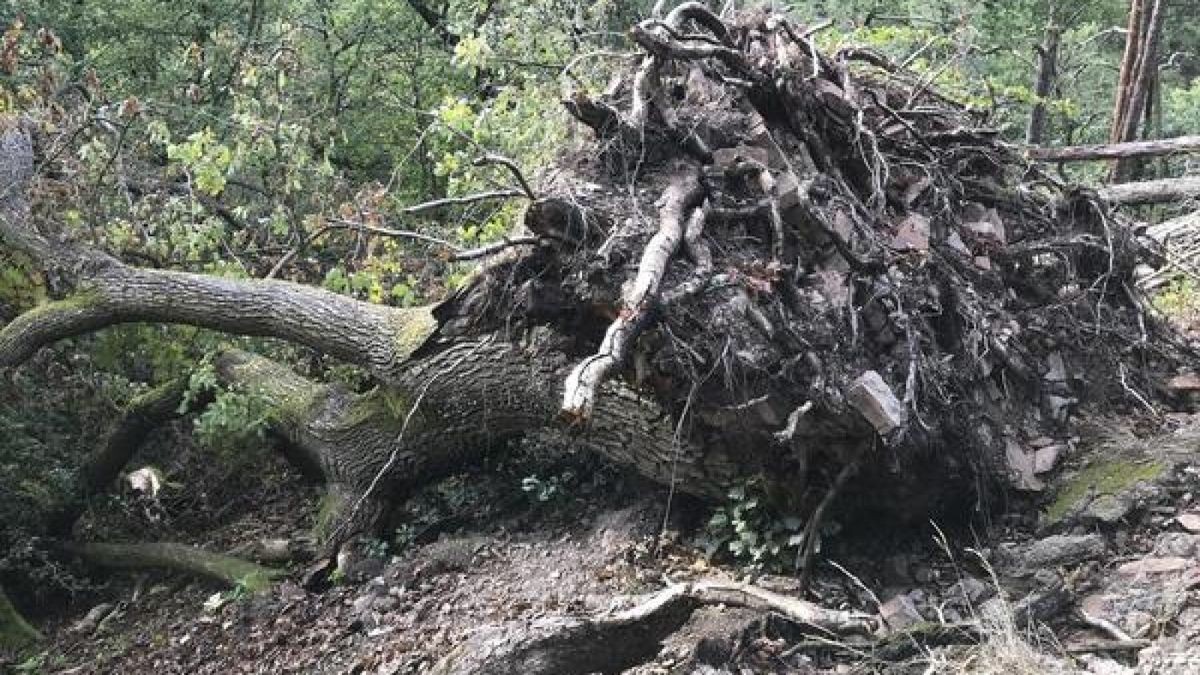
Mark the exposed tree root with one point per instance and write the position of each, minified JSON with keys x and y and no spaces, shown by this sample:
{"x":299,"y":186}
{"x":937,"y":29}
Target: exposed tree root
{"x":612,"y":643}
{"x":812,"y":529}
{"x":227,"y":570}
{"x":579,"y":397}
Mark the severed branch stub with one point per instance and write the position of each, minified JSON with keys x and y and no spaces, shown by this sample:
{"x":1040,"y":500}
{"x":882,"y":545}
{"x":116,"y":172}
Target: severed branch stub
{"x":583,"y":383}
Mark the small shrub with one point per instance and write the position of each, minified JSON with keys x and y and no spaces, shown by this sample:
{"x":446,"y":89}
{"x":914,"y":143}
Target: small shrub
{"x":748,"y":530}
{"x":552,"y":489}
{"x":1180,"y":300}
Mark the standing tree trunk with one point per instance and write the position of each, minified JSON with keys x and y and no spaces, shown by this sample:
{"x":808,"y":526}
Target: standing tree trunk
{"x":1139,"y":69}
{"x":1043,"y":87}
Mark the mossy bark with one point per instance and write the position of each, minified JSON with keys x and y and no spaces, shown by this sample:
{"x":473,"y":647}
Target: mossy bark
{"x":15,"y":631}
{"x":446,"y":411}
{"x":230,"y":571}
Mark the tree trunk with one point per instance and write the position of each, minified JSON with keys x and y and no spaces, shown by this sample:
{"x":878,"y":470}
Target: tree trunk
{"x":445,"y":412}
{"x":1152,"y":191}
{"x":1132,"y":149}
{"x":1139,"y":69}
{"x":1043,"y":87}
{"x":1134,"y":34}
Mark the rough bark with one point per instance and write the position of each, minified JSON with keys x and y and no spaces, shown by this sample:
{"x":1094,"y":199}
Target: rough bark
{"x":1139,"y":70}
{"x":226,"y":570}
{"x":1153,"y":148}
{"x":447,"y":410}
{"x":376,"y":337}
{"x":1134,"y":34}
{"x":1152,"y":191}
{"x":1043,"y":86}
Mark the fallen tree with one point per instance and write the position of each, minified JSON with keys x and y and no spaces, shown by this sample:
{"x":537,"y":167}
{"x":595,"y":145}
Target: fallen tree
{"x":229,"y":571}
{"x":830,"y":280}
{"x":1152,"y":191}
{"x":1127,"y":150}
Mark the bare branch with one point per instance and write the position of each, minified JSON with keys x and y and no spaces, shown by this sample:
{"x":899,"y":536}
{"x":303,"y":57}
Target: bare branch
{"x":390,"y":232}
{"x":492,"y":249}
{"x":461,"y":201}
{"x":1152,"y":191}
{"x":1154,"y":148}
{"x":233,"y":572}
{"x":582,"y":385}
{"x":511,"y":166}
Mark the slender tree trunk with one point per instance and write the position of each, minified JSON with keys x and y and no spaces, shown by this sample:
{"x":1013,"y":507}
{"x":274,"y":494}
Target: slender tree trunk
{"x":1139,"y":69}
{"x":1152,"y":191}
{"x":1043,"y":88}
{"x":1133,"y":38}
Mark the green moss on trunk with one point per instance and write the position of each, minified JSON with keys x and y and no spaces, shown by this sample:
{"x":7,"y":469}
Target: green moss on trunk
{"x":228,"y":570}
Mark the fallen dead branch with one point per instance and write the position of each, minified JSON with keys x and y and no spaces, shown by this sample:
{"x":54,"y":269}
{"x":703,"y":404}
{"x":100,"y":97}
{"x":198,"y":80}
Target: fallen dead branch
{"x":227,"y":570}
{"x":1151,"y":148}
{"x":1152,"y":191}
{"x":610,"y":643}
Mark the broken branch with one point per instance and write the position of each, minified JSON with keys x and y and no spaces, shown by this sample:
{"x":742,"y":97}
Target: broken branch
{"x":233,"y":572}
{"x":1154,"y":148}
{"x":585,"y":379}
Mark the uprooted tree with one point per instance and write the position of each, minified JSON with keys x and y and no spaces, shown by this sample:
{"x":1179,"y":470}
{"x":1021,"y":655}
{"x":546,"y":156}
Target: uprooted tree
{"x":809,"y":270}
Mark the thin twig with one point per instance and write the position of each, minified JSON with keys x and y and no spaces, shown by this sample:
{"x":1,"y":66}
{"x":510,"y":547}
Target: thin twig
{"x":460,"y":201}
{"x":507,"y":163}
{"x":390,"y":232}
{"x":812,"y":529}
{"x":490,"y":249}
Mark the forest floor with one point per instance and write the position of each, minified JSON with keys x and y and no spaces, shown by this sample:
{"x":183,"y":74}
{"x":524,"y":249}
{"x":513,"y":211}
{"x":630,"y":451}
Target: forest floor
{"x":1105,"y":581}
